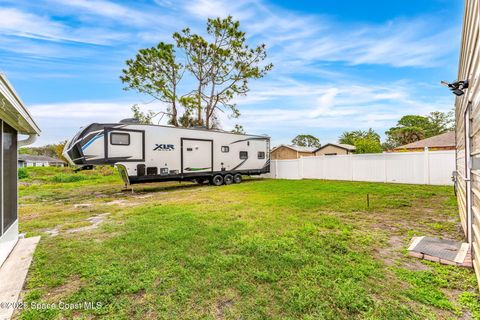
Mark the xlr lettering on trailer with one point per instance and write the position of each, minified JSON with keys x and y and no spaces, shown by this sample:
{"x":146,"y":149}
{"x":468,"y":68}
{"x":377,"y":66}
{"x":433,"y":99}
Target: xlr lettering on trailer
{"x":164,"y":147}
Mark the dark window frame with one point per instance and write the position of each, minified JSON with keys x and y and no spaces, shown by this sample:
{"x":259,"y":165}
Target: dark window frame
{"x":261,"y":154}
{"x":119,"y":134}
{"x":243,"y":155}
{"x":225,"y":149}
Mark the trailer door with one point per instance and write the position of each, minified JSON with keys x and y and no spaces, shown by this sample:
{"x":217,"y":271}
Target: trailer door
{"x":123,"y":145}
{"x":197,"y":155}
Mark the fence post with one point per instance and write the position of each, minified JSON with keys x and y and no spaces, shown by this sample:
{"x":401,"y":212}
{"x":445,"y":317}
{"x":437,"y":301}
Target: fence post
{"x":300,"y":167}
{"x":385,"y":168}
{"x":276,"y":169}
{"x":350,"y":160}
{"x":426,"y":166}
{"x":324,"y":176}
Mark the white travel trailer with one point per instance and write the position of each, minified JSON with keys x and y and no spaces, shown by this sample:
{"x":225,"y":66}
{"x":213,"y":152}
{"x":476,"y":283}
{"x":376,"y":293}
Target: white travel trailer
{"x":149,"y":153}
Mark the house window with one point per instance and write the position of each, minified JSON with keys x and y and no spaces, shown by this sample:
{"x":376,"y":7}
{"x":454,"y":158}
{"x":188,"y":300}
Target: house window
{"x":261,"y":155}
{"x":330,"y":154}
{"x":225,"y":149}
{"x":243,"y":155}
{"x":119,"y":139}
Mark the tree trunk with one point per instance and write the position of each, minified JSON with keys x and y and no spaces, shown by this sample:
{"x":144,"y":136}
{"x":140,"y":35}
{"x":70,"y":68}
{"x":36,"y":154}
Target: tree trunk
{"x":174,"y":120}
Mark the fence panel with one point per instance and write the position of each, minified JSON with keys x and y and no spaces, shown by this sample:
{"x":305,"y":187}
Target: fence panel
{"x":405,"y":167}
{"x":337,"y":167}
{"x":441,"y":167}
{"x":288,"y":169}
{"x":312,"y":168}
{"x":429,"y":167}
{"x":368,"y":167}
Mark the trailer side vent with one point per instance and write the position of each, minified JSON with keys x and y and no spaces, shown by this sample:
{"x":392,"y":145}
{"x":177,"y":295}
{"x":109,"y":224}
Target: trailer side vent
{"x":152,"y":171}
{"x":140,"y":170}
{"x":225,"y":149}
{"x":261,"y":155}
{"x":163,"y":171}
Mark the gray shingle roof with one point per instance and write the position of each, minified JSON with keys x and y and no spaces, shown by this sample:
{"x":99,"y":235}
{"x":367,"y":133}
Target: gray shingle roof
{"x":446,"y":139}
{"x":31,"y":158}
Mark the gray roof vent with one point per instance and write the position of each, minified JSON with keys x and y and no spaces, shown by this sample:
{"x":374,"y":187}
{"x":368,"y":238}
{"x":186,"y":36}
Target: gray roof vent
{"x":130,"y":121}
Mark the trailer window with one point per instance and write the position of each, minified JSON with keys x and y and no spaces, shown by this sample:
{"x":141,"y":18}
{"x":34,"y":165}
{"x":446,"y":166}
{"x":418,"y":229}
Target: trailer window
{"x":119,"y":139}
{"x":261,"y":155}
{"x":225,"y":149}
{"x":243,"y":155}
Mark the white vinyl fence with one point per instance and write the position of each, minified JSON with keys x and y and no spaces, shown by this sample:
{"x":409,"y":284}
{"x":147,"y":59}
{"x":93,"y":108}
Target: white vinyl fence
{"x":428,"y":167}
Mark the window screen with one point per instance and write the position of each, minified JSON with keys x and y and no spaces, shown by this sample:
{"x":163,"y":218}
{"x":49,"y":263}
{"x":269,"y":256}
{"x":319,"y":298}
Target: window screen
{"x":225,"y":149}
{"x":243,"y":155}
{"x":1,"y":178}
{"x":9,"y":173}
{"x":261,"y":155}
{"x":119,"y":139}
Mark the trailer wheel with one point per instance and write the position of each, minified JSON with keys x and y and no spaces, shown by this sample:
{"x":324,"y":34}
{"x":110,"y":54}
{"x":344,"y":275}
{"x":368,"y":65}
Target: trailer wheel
{"x":228,"y":179}
{"x":217,"y":180}
{"x":237,"y":178}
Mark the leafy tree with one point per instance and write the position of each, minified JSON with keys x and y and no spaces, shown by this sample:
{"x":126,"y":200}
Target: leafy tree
{"x":349,"y":137}
{"x":58,"y":148}
{"x":368,"y":145}
{"x":220,"y":67}
{"x":411,"y":128}
{"x":306,"y":140}
{"x":440,"y":122}
{"x":142,"y":117}
{"x":50,"y":150}
{"x":156,"y":72}
{"x":238,"y":129}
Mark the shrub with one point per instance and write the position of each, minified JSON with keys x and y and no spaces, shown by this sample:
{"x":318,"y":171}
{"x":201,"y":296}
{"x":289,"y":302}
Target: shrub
{"x":65,"y":178}
{"x":23,"y":173}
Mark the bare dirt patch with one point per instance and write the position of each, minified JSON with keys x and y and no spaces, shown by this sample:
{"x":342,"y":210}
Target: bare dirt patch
{"x":70,"y":286}
{"x":95,"y":222}
{"x":222,"y":306}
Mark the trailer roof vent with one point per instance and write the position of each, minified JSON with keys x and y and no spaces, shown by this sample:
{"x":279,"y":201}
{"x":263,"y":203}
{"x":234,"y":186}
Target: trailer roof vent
{"x":130,"y":121}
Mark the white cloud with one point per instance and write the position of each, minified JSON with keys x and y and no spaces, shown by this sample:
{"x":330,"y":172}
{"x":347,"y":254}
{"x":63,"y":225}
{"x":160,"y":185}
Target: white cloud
{"x":307,"y":38}
{"x":144,"y":16}
{"x":324,"y":52}
{"x":14,"y":22}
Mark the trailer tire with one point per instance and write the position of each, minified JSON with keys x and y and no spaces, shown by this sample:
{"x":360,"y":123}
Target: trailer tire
{"x":217,"y":180}
{"x":228,"y":179}
{"x":237,"y":178}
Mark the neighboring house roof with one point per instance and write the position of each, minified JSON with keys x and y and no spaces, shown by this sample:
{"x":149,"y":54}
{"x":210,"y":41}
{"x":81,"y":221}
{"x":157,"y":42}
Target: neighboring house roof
{"x":13,"y":111}
{"x":348,"y":147}
{"x":295,"y":148}
{"x":446,"y":139}
{"x":31,"y":158}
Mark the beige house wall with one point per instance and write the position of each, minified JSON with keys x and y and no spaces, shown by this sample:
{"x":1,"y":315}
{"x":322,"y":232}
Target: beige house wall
{"x":467,"y":115}
{"x":284,"y":153}
{"x":331,"y":149}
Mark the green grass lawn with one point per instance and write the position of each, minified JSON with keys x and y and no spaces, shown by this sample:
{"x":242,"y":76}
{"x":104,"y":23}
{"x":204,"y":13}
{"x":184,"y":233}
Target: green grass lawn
{"x":263,"y":249}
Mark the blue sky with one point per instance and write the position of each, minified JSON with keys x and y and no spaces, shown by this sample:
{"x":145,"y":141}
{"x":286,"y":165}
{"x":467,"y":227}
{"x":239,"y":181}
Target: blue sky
{"x":338,"y":65}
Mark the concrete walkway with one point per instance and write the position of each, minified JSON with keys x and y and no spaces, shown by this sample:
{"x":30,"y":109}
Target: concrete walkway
{"x":13,"y":273}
